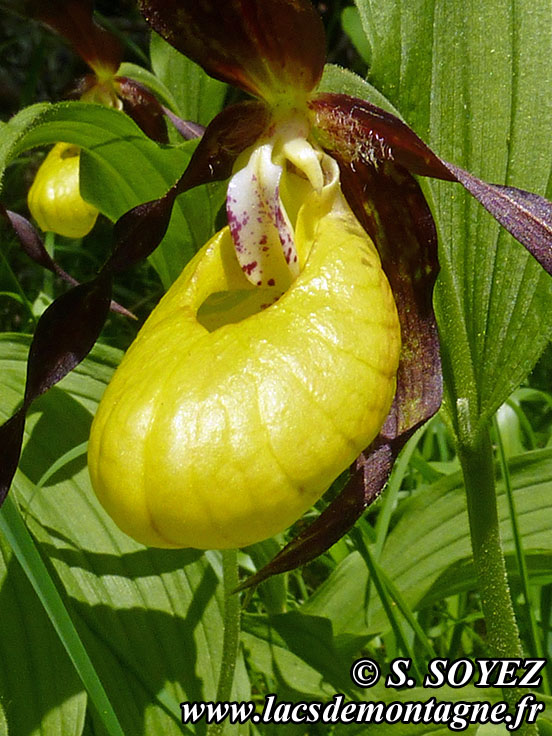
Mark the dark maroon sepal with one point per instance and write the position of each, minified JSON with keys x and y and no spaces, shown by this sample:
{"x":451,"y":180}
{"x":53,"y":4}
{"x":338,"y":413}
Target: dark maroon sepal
{"x":143,"y":107}
{"x":527,"y":216}
{"x":362,"y":133}
{"x":391,"y":207}
{"x":73,"y":19}
{"x":368,"y":476}
{"x":261,"y":46}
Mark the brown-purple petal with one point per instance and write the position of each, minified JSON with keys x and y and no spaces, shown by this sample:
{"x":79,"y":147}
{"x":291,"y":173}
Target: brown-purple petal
{"x":527,"y":216}
{"x":64,"y":335}
{"x":33,"y":245}
{"x":232,"y":131}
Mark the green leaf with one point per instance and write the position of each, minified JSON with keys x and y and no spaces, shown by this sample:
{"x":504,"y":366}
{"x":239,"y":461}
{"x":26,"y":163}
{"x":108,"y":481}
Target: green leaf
{"x":151,"y":620}
{"x":17,"y":535}
{"x":473,"y":85}
{"x":343,"y":81}
{"x":269,"y":654}
{"x":40,"y":692}
{"x":273,"y":592}
{"x":350,"y":20}
{"x":197,"y":96}
{"x":121,"y":168}
{"x":427,"y":555}
{"x":310,"y":639}
{"x":3,"y":721}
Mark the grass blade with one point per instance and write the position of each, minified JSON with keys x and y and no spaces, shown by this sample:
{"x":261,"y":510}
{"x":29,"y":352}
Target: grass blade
{"x":536,"y":643}
{"x":25,"y":550}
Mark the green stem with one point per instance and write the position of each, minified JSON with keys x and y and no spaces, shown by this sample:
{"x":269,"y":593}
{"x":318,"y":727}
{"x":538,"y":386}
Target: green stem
{"x":231,"y":635}
{"x":488,"y":558}
{"x":48,"y":277}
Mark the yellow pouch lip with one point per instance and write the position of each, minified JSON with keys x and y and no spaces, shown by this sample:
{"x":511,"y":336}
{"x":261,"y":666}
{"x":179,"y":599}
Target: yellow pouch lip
{"x":54,"y":197}
{"x":214,"y":269}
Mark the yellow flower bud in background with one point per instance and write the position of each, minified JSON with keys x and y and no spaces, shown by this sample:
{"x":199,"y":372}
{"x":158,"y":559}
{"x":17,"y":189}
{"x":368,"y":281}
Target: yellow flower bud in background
{"x":54,"y":198}
{"x":237,"y":406}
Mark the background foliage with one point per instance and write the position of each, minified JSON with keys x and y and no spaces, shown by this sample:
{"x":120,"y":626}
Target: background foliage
{"x":102,"y":635}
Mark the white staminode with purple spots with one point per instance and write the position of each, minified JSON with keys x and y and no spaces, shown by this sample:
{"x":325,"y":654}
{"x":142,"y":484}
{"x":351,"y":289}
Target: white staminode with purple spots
{"x":261,"y":229}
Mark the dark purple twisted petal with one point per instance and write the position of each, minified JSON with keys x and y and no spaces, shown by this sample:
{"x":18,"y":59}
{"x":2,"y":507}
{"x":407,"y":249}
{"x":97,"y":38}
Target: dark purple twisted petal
{"x":261,"y":46}
{"x":527,"y":216}
{"x":64,"y":335}
{"x":60,"y":342}
{"x":140,"y":230}
{"x":32,"y":244}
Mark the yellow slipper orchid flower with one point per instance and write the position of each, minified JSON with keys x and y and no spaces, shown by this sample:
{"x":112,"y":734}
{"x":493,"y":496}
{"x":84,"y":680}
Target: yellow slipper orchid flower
{"x":238,"y":405}
{"x":273,"y":360}
{"x":54,"y":198}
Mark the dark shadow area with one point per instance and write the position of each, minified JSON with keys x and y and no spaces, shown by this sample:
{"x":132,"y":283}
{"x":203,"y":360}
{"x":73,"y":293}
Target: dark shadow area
{"x":133,"y":565}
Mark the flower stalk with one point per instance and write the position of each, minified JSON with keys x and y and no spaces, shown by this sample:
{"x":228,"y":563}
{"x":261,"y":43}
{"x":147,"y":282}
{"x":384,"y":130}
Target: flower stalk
{"x":231,"y":633}
{"x":477,"y":460}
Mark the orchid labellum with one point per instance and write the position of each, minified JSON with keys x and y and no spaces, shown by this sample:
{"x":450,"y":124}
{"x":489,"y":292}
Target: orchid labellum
{"x":301,"y":340}
{"x":266,"y":369}
{"x":54,"y":198}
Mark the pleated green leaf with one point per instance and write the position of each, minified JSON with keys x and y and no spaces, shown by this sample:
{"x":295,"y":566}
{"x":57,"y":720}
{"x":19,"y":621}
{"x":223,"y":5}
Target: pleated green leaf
{"x":150,"y":620}
{"x":40,"y":693}
{"x":196,"y":96}
{"x":473,"y":80}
